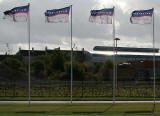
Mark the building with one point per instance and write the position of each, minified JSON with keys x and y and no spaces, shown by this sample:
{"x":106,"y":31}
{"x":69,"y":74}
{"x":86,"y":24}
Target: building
{"x":143,"y":64}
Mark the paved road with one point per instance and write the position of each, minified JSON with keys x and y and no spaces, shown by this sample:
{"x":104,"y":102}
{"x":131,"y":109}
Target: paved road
{"x":61,"y":102}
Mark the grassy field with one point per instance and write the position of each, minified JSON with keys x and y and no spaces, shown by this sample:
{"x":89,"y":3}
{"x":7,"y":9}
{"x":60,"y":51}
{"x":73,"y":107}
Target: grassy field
{"x":78,"y":109}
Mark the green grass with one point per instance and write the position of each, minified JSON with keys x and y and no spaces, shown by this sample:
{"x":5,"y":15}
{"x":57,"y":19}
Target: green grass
{"x":78,"y":109}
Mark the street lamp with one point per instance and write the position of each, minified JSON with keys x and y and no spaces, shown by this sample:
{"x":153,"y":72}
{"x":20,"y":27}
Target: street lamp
{"x":115,"y":45}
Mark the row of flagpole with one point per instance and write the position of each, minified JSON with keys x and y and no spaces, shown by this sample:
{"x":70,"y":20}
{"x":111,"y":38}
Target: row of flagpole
{"x":103,"y":16}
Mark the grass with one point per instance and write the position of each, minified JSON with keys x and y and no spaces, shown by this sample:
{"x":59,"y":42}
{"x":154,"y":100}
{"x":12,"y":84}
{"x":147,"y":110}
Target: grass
{"x":78,"y":109}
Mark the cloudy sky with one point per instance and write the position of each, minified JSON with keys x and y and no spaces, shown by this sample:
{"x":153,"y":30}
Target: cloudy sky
{"x":85,"y":34}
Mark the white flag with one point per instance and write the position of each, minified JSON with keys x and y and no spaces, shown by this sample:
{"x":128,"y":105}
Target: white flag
{"x":103,"y":16}
{"x":57,"y":15}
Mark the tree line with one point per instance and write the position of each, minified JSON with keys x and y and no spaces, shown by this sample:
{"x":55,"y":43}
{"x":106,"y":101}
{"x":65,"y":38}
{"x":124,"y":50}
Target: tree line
{"x":57,"y":66}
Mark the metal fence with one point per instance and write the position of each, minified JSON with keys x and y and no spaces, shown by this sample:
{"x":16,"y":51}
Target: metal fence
{"x":80,"y":89}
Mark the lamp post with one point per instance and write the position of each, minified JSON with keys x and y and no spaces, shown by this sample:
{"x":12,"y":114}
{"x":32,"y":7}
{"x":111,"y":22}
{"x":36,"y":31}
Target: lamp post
{"x":116,"y":39}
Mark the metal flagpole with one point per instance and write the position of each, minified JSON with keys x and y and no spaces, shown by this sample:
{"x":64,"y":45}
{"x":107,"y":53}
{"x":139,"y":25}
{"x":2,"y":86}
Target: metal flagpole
{"x":29,"y":60}
{"x":154,"y":65}
{"x":71,"y":56}
{"x":114,"y":68}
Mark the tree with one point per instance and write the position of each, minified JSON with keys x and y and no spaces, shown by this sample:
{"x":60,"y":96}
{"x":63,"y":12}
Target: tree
{"x":38,"y":68}
{"x":57,"y":60}
{"x":15,"y":66}
{"x":97,"y":67}
{"x":106,"y":70}
{"x":79,"y":56}
{"x":13,"y":63}
{"x":79,"y":70}
{"x":14,"y":70}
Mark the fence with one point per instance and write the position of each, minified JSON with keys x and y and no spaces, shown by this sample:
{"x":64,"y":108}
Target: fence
{"x":81,"y":89}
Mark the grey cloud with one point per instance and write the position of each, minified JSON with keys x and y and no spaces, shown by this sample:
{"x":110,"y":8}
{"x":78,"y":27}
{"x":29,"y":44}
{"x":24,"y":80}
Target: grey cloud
{"x":87,"y":34}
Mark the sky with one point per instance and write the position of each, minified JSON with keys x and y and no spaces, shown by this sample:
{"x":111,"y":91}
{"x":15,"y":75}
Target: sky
{"x":85,"y":34}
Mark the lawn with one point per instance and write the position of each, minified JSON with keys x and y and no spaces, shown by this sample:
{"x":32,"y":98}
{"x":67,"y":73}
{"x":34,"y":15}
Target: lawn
{"x":78,"y":109}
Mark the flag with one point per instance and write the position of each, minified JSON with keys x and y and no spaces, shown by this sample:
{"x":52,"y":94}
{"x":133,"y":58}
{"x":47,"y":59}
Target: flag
{"x":8,"y":15}
{"x":17,"y":14}
{"x":57,"y":15}
{"x":103,"y":16}
{"x":141,"y":16}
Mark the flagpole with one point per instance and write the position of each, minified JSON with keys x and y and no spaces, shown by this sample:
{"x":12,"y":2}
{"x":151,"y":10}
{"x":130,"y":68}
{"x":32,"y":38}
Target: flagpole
{"x":114,"y":68}
{"x":154,"y":65}
{"x":29,"y":60}
{"x":71,"y":57}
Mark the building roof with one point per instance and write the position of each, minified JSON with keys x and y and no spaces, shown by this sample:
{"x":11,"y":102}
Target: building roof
{"x":41,"y":52}
{"x":125,"y":49}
